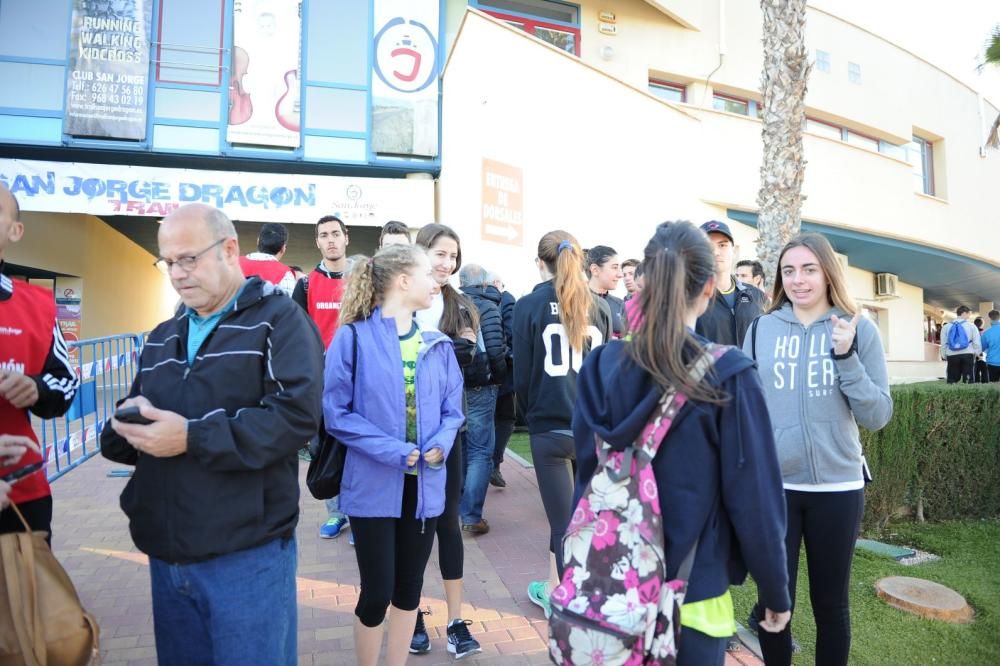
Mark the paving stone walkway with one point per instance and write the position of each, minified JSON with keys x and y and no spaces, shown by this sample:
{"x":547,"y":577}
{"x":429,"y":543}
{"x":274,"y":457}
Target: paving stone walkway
{"x":90,"y":538}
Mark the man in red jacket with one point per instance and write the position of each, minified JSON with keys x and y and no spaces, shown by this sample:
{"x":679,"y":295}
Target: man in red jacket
{"x":35,"y":375}
{"x":266,"y":261}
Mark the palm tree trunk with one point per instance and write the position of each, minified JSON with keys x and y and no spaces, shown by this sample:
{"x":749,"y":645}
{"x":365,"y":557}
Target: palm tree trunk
{"x":783,"y":84}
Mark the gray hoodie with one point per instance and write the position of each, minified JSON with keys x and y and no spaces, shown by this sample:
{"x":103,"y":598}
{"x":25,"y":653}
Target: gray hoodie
{"x":816,"y":402}
{"x":974,"y":347}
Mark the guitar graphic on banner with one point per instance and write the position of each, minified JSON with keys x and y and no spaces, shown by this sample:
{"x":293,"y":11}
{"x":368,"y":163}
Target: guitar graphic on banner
{"x":287,"y":108}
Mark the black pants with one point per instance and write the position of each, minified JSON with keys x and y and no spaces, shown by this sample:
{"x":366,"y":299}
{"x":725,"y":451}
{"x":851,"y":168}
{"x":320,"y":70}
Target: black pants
{"x":554,"y":456}
{"x":980,"y":372}
{"x":960,"y":368}
{"x":994,"y":373}
{"x":451,"y":551}
{"x":503,"y":426}
{"x":37,"y":512}
{"x":829,"y":524}
{"x":392,"y":555}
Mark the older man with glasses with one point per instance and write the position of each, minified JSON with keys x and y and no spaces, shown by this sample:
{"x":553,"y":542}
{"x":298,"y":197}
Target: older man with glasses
{"x":227,"y":391}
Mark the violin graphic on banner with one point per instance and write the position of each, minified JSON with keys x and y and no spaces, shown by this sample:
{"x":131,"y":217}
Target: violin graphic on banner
{"x":265,"y":85}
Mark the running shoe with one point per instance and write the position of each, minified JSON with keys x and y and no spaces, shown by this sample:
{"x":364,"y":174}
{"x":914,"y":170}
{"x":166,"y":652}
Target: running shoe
{"x":332,"y":528}
{"x":539,"y":596}
{"x":421,"y":641}
{"x":460,"y":641}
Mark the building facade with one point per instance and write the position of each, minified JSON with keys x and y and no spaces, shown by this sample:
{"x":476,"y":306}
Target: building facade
{"x":501,"y":118}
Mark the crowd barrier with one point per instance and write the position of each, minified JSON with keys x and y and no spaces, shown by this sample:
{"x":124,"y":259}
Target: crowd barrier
{"x":106,"y":367}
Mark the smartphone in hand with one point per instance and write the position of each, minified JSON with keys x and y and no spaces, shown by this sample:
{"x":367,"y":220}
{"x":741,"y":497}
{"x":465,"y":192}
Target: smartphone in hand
{"x":132,"y":415}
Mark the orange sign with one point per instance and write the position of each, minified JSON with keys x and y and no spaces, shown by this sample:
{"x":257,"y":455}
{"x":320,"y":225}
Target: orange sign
{"x":503,"y":203}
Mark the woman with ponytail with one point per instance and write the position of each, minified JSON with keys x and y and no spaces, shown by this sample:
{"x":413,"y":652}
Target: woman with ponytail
{"x":717,"y":475}
{"x":393,"y":397}
{"x":453,"y":314}
{"x":555,"y":326}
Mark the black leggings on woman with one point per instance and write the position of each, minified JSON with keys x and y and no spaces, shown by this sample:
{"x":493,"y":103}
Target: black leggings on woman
{"x":554,"y":457}
{"x":451,"y":551}
{"x":392,"y":555}
{"x":829,"y":524}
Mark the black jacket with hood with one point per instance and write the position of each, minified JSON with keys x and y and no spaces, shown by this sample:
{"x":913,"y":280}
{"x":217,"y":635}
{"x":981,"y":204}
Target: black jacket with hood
{"x":490,"y":363}
{"x":252,"y":398}
{"x":717,"y":471}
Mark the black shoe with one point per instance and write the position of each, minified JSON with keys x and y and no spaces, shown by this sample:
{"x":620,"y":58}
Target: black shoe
{"x":753,"y":625}
{"x":496,"y":479}
{"x":796,"y":648}
{"x":460,"y":641}
{"x":421,"y":642}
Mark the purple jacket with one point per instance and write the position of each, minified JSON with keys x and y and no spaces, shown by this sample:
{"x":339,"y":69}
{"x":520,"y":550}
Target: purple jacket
{"x":369,"y":416}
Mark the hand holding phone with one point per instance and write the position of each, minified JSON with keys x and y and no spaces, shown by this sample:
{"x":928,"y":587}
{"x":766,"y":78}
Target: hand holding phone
{"x":131,"y":415}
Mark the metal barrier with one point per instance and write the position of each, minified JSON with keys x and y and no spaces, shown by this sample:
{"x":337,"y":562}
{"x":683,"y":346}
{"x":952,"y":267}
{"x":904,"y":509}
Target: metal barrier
{"x":106,"y":367}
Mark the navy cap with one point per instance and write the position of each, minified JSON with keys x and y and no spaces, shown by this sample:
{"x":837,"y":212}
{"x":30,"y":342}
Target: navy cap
{"x":716,"y":227}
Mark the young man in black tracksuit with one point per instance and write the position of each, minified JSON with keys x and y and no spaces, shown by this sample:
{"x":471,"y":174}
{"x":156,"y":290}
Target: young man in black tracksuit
{"x":736,"y":304}
{"x":482,"y":381}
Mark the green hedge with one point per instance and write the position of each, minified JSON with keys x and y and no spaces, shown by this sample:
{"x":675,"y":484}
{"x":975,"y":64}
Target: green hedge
{"x":940,"y":452}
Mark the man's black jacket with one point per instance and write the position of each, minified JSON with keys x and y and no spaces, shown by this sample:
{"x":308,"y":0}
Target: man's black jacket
{"x":252,"y":398}
{"x":490,"y":364}
{"x":725,"y":326}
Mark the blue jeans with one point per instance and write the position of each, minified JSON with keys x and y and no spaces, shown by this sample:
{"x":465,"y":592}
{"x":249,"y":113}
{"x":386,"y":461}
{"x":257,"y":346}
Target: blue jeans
{"x":333,"y":508}
{"x":236,"y":609}
{"x":477,"y":450}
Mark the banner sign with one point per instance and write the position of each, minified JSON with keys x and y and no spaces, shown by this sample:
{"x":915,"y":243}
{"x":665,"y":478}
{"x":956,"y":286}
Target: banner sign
{"x":503,"y":203}
{"x":114,"y":189}
{"x":106,"y":84}
{"x":405,"y":77}
{"x":264,"y":85}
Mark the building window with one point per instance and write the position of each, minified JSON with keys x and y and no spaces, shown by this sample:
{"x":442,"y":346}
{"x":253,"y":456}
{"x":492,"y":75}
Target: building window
{"x":892,"y":150}
{"x":921,"y":155}
{"x":557,"y":23}
{"x":731,"y":104}
{"x":854,"y":73}
{"x":672,"y":92}
{"x":824,"y":129}
{"x":189,"y":51}
{"x":862,"y":141}
{"x":822,"y":61}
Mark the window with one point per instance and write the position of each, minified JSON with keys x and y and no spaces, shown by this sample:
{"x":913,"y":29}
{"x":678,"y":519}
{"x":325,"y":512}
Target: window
{"x":672,"y":92}
{"x":731,"y":104}
{"x":187,"y":50}
{"x":822,"y":61}
{"x":892,"y":150}
{"x":921,"y":156}
{"x":824,"y":129}
{"x":854,"y":73}
{"x":557,"y":23}
{"x":862,"y":141}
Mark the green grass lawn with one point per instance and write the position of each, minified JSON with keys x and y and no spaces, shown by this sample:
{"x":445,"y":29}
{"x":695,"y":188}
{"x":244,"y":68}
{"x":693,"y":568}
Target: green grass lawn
{"x":970,"y":565}
{"x":519,"y":444}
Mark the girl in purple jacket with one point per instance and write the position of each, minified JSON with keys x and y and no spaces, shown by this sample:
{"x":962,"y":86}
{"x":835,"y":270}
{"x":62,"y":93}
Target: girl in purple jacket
{"x":393,"y":396}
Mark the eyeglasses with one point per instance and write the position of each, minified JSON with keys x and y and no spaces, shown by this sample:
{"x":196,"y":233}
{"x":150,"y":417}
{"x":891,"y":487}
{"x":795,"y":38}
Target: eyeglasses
{"x":186,"y":264}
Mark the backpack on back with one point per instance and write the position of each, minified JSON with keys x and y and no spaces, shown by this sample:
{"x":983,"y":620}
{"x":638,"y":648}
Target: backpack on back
{"x":958,"y":338}
{"x":615,"y":604}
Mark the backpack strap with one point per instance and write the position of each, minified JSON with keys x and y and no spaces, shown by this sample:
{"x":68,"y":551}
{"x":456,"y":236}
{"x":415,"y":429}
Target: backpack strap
{"x":753,"y":338}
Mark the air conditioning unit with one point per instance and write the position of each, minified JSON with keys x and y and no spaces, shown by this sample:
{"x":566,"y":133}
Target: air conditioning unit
{"x":885,"y":285}
{"x":842,"y":258}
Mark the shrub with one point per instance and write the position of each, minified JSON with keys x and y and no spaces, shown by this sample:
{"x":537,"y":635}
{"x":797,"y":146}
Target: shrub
{"x":940,"y":453}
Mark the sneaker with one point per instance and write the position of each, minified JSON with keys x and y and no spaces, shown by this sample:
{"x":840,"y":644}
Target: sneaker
{"x":497,"y":480}
{"x":482,"y":527}
{"x":332,"y":528}
{"x":304,"y":454}
{"x":540,"y":596}
{"x":460,"y":641}
{"x":421,"y":642}
{"x":350,"y":538}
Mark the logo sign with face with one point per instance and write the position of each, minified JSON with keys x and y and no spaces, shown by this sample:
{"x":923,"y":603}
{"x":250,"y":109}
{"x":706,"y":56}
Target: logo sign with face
{"x":405,"y":55}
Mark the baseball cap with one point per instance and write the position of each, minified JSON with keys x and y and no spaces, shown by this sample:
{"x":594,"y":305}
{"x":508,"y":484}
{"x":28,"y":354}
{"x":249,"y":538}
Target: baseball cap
{"x":716,"y":227}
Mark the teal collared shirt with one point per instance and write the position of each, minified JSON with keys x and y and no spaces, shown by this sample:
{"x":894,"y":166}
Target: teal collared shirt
{"x":200,"y":328}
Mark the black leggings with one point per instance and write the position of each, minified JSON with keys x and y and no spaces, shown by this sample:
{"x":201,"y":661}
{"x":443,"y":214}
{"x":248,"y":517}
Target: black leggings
{"x":829,"y":524}
{"x":554,"y":456}
{"x":451,"y":551}
{"x":37,"y":513}
{"x":392,"y":555}
{"x":503,"y":426}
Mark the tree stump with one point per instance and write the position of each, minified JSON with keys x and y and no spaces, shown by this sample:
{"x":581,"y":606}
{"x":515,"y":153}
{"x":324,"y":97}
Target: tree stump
{"x":924,"y":598}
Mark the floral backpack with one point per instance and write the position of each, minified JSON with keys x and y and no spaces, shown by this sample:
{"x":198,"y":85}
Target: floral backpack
{"x":614,"y":606}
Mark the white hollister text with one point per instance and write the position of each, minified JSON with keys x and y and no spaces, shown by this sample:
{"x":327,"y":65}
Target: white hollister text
{"x":820,"y":376}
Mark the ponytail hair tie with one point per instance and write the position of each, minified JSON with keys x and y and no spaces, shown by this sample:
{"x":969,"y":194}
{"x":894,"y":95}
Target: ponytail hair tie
{"x":564,"y":245}
{"x":371,"y":262}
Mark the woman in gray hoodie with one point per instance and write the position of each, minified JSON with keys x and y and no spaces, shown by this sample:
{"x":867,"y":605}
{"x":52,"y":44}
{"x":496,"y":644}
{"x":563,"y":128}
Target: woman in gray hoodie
{"x":824,"y":373}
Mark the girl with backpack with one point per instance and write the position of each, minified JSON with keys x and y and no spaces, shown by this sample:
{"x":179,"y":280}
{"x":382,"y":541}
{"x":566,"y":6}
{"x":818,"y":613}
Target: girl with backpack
{"x":453,"y":314}
{"x":393,"y":397}
{"x":715,"y":486}
{"x":555,"y":326}
{"x":824,"y":373}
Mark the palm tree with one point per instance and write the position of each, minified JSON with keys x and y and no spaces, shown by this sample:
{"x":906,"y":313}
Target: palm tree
{"x":783,"y":84}
{"x":992,"y":57}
